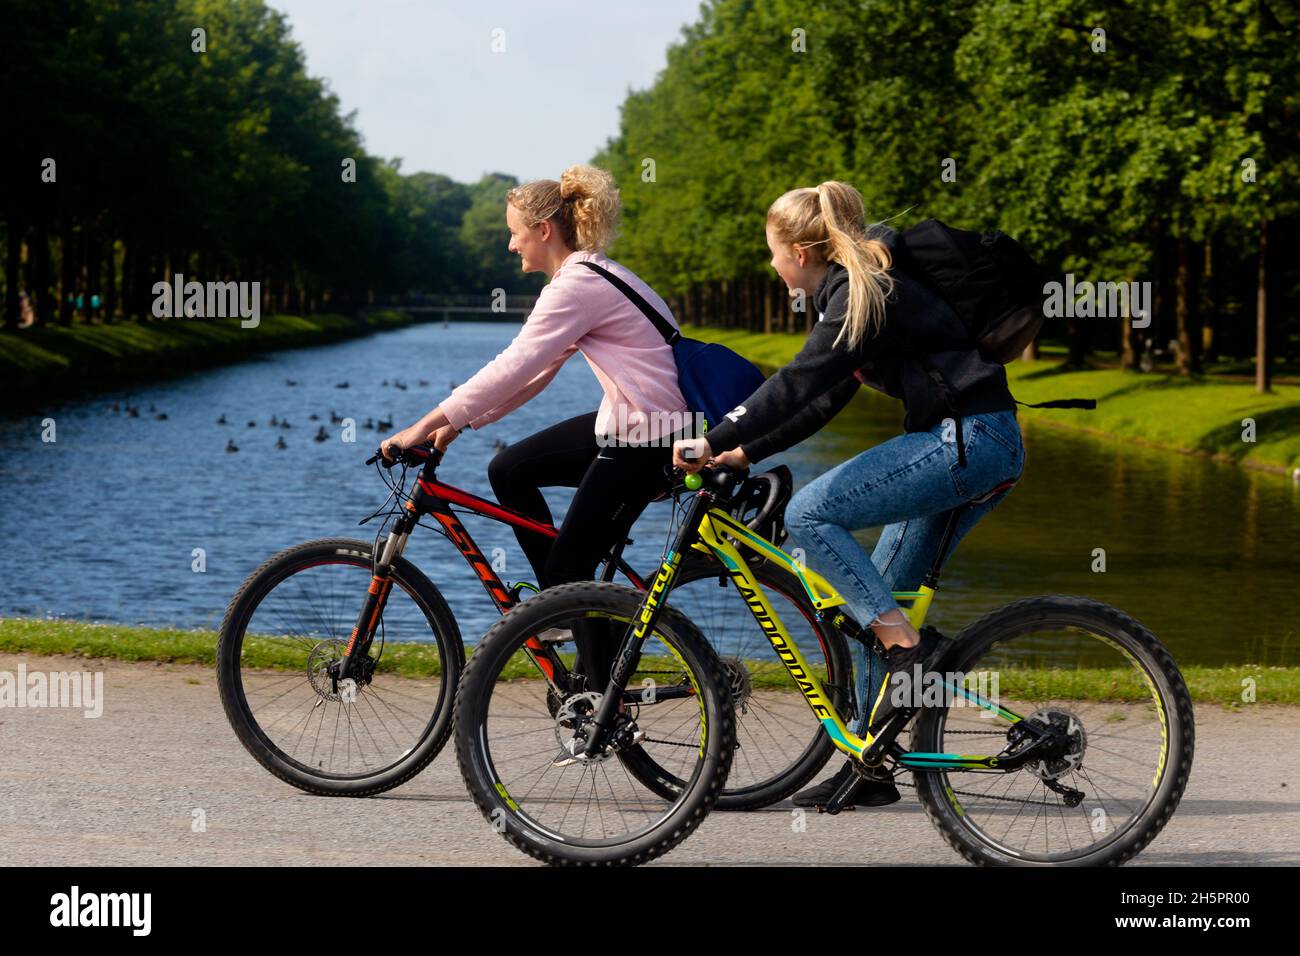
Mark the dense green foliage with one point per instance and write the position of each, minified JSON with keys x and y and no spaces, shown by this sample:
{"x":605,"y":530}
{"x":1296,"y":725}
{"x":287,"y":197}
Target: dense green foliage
{"x":221,"y":164}
{"x":1128,"y":162}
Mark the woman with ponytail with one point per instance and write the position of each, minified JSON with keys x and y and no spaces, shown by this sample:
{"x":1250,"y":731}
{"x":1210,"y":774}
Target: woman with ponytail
{"x":961,"y":438}
{"x":614,"y":456}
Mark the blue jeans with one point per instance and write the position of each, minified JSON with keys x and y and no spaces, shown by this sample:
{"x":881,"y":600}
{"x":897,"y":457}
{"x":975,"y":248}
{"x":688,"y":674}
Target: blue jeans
{"x":908,"y":484}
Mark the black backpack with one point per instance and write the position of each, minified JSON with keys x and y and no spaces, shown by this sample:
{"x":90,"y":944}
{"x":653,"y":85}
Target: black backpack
{"x":987,"y":278}
{"x":993,"y":285}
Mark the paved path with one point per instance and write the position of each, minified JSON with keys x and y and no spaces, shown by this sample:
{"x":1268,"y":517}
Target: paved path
{"x":123,"y":788}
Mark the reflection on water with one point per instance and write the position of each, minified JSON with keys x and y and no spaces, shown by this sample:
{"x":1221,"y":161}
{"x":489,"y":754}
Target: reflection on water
{"x":109,"y":522}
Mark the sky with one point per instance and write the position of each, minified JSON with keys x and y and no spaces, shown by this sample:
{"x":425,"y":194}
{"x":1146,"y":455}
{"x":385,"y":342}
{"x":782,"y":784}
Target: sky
{"x":428,"y":87}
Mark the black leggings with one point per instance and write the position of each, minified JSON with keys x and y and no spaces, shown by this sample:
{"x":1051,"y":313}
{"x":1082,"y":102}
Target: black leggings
{"x":614,"y":484}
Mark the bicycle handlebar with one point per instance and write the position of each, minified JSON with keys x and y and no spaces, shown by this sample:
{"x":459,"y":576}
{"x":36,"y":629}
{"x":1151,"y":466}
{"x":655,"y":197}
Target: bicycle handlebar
{"x":415,"y":455}
{"x":763,"y":497}
{"x":720,"y":478}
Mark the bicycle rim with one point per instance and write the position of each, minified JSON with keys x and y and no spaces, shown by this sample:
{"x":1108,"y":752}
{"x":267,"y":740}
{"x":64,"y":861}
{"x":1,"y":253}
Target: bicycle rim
{"x":295,"y":619}
{"x":520,"y":745}
{"x":1117,"y":701}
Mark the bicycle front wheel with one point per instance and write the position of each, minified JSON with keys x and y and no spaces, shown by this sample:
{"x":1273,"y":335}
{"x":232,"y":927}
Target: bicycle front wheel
{"x":289,"y":621}
{"x":521,"y":746}
{"x":1125,"y":736}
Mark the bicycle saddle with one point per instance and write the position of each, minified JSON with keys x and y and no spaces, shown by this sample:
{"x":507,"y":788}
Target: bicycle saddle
{"x":997,"y":489}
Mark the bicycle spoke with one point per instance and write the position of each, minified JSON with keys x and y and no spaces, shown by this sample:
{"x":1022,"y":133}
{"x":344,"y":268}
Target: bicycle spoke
{"x":296,"y":631}
{"x":1111,"y":769}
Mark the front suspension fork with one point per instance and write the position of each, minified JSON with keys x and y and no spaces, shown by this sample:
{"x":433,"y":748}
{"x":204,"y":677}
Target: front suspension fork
{"x":372,"y":610}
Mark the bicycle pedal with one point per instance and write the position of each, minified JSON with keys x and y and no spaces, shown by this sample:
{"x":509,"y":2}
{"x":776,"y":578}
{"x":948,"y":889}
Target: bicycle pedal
{"x":842,"y":798}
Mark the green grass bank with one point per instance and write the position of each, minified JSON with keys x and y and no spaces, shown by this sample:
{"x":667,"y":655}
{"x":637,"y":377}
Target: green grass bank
{"x":55,"y":361}
{"x":1208,"y":685}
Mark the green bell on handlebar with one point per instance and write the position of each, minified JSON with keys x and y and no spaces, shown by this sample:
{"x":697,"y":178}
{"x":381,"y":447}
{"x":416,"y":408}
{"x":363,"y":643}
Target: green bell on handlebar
{"x":694,"y":482}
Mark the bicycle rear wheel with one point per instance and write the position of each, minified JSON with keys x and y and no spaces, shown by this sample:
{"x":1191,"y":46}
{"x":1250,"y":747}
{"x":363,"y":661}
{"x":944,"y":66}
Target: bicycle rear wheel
{"x":519,"y":745}
{"x":290,"y":619}
{"x":1115,"y":693}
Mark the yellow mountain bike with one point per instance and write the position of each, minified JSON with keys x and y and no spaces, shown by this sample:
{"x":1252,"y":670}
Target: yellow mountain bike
{"x":1055,"y":730}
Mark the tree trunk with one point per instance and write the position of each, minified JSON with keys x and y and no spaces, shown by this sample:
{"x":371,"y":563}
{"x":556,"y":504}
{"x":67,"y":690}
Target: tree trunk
{"x":1078,"y":333}
{"x":91,"y":244}
{"x":1262,"y":377}
{"x":1208,"y":317}
{"x":135,"y":263}
{"x":1188,"y":361}
{"x":110,"y":282}
{"x":754,"y":314}
{"x":13,"y":260}
{"x":1128,"y":354}
{"x":43,"y":304}
{"x":67,"y":273}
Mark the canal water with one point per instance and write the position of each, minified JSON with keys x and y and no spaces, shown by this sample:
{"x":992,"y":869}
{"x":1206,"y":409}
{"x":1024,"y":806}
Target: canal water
{"x":110,"y":521}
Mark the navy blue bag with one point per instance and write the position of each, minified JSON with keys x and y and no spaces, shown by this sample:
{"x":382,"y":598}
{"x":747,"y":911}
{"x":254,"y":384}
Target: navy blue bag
{"x":712,"y":377}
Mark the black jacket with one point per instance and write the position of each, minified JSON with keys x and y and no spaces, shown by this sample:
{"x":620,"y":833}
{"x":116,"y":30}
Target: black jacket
{"x":920,"y":336}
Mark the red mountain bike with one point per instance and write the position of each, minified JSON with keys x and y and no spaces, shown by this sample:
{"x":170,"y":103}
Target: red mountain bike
{"x":338,"y":659}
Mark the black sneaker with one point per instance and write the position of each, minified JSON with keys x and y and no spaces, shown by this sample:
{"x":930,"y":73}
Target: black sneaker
{"x":901,"y":674}
{"x":868,"y":793}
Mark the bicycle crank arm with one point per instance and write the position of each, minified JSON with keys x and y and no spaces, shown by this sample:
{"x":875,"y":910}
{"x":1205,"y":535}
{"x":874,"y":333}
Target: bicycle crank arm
{"x":653,"y":695}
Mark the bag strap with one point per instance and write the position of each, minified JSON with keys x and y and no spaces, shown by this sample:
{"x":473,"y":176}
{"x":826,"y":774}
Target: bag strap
{"x":669,"y":333}
{"x":941,"y":383}
{"x":1062,"y":403}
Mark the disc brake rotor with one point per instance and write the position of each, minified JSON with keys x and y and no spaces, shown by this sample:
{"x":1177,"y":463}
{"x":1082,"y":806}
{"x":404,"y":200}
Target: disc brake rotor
{"x":318,"y":661}
{"x":739,"y":682}
{"x":1068,"y":725}
{"x":573,"y":721}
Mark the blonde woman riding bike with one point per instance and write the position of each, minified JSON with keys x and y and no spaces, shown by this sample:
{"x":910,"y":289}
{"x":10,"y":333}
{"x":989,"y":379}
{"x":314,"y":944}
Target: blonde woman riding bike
{"x":959,"y":443}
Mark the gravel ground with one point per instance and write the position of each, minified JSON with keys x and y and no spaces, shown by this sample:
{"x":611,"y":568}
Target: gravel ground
{"x":124,"y":789}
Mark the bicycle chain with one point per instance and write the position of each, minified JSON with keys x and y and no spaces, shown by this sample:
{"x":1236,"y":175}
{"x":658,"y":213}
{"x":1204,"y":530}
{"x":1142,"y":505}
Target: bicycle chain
{"x":670,"y":743}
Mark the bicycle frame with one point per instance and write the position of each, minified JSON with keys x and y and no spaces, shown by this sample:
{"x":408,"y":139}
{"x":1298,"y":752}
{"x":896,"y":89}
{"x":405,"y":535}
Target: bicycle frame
{"x":712,"y":531}
{"x":433,"y":497}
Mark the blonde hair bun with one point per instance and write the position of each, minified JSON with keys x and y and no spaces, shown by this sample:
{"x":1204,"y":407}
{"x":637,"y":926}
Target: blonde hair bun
{"x":583,"y":205}
{"x":596,"y":205}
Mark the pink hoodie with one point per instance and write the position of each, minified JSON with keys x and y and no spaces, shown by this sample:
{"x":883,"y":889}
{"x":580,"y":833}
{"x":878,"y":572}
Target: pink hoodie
{"x":580,"y":310}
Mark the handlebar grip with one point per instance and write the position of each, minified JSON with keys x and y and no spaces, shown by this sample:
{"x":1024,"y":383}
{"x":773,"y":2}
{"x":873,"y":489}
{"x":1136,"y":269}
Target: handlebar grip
{"x":418,"y":453}
{"x":415,"y":455}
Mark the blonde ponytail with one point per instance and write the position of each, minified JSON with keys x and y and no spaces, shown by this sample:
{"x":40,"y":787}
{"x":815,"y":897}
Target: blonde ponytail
{"x":584,"y":206}
{"x":833,"y":215}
